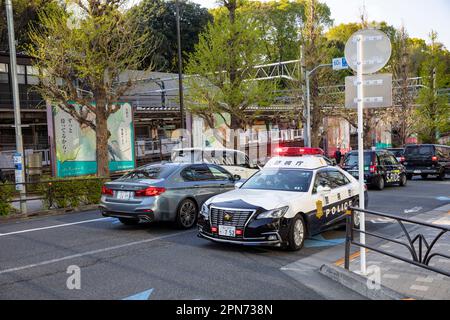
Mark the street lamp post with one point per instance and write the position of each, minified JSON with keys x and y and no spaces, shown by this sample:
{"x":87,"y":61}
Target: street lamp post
{"x":308,"y":101}
{"x":20,"y":171}
{"x":180,"y":66}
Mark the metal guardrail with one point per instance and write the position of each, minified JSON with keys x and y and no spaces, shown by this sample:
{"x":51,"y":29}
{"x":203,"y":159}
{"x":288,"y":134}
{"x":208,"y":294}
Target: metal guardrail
{"x":420,"y":256}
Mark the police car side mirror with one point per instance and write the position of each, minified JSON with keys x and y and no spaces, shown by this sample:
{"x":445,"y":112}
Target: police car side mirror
{"x":323,"y":189}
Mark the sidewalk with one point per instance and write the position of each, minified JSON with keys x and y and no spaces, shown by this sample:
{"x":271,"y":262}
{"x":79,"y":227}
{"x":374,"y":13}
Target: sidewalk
{"x":407,"y":279}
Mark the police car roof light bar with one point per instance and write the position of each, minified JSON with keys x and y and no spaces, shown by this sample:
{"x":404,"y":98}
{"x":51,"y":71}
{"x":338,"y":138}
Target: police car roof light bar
{"x":298,"y":151}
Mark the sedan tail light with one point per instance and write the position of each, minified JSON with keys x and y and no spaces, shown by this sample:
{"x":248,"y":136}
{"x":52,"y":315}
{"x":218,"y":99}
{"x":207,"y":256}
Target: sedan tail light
{"x":373,"y":168}
{"x":107,"y":191}
{"x":434,"y":158}
{"x":402,"y":159}
{"x":149,"y":192}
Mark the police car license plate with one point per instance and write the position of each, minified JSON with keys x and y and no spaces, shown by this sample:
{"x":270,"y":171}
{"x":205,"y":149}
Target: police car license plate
{"x":123,"y":195}
{"x":227,"y":231}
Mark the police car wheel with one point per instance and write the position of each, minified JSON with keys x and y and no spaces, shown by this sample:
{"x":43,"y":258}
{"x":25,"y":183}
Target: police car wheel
{"x":297,"y":233}
{"x":129,"y":221}
{"x":380,"y":183}
{"x":186,"y":214}
{"x":403,"y":180}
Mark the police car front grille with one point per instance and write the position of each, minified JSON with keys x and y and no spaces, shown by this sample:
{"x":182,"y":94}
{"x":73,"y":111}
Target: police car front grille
{"x":238,"y":217}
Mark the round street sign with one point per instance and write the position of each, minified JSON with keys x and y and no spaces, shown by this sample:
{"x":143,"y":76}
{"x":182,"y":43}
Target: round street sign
{"x":376,"y":50}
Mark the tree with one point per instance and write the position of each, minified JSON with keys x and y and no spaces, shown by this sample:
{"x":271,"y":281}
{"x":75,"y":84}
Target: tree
{"x":90,"y":49}
{"x":315,"y":52}
{"x":25,"y":17}
{"x":223,"y":61}
{"x":158,"y":17}
{"x":402,"y":112}
{"x":433,"y":113}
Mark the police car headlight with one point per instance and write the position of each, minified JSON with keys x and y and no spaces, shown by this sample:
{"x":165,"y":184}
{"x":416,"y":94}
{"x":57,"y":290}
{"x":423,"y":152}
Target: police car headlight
{"x":275,"y":213}
{"x":205,"y":211}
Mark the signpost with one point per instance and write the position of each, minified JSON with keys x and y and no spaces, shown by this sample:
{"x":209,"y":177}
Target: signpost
{"x":340,"y":64}
{"x":366,"y":51}
{"x":377,"y":91}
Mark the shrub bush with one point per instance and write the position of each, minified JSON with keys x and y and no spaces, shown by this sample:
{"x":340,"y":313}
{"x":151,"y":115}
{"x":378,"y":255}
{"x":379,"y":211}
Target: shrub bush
{"x":6,"y":195}
{"x":71,"y":193}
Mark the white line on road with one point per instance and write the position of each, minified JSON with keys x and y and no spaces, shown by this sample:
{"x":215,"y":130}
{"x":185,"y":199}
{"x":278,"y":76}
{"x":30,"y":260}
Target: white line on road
{"x":88,"y":253}
{"x":52,"y":227}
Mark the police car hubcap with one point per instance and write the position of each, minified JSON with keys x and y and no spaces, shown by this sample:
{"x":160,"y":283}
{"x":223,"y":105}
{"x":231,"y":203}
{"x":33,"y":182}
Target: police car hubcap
{"x":298,"y":232}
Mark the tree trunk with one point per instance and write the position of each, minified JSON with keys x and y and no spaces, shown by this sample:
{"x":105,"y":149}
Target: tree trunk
{"x":102,"y":136}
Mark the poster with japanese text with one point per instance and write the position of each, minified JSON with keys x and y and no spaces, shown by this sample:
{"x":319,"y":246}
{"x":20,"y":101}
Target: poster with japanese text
{"x":76,"y":144}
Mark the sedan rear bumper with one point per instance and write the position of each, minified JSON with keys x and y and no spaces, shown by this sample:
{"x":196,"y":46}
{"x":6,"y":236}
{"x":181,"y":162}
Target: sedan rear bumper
{"x":144,"y":215}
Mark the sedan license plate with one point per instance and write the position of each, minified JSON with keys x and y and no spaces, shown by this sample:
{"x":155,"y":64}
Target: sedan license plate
{"x":417,"y":171}
{"x":123,"y":195}
{"x":227,"y":231}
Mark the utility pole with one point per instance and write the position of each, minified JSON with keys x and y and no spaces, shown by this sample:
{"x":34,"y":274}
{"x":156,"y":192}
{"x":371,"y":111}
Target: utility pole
{"x":180,"y":66}
{"x":18,"y":158}
{"x":308,"y":100}
{"x":303,"y":91}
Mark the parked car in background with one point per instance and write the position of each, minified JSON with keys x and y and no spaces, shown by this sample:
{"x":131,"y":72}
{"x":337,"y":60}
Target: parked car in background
{"x":164,"y":192}
{"x":427,"y":159}
{"x":398,"y":153}
{"x":234,"y":161}
{"x":381,"y":168}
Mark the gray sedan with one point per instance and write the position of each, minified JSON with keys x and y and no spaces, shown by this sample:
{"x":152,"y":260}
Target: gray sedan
{"x":164,"y":192}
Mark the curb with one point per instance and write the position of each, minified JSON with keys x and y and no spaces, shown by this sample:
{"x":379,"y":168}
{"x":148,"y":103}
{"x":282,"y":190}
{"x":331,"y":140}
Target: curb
{"x":358,"y":284}
{"x":46,"y":213}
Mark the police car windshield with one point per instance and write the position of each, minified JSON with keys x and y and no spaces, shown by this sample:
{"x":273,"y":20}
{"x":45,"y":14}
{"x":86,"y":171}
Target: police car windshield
{"x":280,"y":179}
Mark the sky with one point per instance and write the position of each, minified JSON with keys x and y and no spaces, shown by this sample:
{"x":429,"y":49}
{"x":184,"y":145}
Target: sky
{"x":418,"y":16}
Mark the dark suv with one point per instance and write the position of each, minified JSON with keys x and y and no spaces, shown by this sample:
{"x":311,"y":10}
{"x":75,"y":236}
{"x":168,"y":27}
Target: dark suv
{"x":426,"y":159}
{"x":381,"y":168}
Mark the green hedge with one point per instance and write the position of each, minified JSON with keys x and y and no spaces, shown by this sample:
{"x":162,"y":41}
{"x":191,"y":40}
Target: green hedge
{"x":6,"y":195}
{"x":71,"y":192}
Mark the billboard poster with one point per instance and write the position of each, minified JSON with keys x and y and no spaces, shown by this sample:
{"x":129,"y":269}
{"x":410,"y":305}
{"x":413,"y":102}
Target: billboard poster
{"x":75,"y":144}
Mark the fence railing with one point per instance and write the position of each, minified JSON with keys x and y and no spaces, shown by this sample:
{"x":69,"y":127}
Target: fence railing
{"x":420,"y":250}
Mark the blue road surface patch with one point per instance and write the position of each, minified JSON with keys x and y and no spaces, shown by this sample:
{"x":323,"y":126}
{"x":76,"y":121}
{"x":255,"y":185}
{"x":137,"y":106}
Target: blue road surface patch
{"x":144,"y":295}
{"x":319,"y":241}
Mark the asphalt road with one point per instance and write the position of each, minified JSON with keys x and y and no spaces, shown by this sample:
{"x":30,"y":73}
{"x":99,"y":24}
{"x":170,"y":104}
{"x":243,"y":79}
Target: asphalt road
{"x":160,"y":262}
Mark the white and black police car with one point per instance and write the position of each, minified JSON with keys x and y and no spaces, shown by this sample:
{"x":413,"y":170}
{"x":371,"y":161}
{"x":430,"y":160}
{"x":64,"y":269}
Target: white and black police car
{"x":290,"y":199}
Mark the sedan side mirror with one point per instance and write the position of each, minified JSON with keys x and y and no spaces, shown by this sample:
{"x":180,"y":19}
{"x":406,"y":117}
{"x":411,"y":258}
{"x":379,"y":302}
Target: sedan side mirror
{"x":323,"y":189}
{"x":236,"y":177}
{"x":237,"y":185}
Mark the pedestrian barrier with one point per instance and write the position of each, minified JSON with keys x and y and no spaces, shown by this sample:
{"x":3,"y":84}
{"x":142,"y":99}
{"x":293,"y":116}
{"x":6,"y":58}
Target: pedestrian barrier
{"x":420,"y":256}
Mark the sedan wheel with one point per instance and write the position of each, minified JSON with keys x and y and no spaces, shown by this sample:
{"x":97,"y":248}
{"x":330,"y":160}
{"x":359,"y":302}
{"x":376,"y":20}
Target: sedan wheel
{"x":297,"y":233}
{"x":403,"y":180}
{"x":187,"y":214}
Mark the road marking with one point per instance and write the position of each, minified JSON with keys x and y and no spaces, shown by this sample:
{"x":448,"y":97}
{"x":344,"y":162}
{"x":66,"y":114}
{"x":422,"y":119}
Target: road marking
{"x":352,"y":257}
{"x":144,"y":295}
{"x":89,"y":253}
{"x":412,"y":210}
{"x":443,"y":198}
{"x":53,"y":227}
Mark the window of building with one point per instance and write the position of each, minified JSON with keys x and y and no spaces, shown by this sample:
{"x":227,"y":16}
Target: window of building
{"x":4,"y":73}
{"x":32,"y":75}
{"x":21,"y":74}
